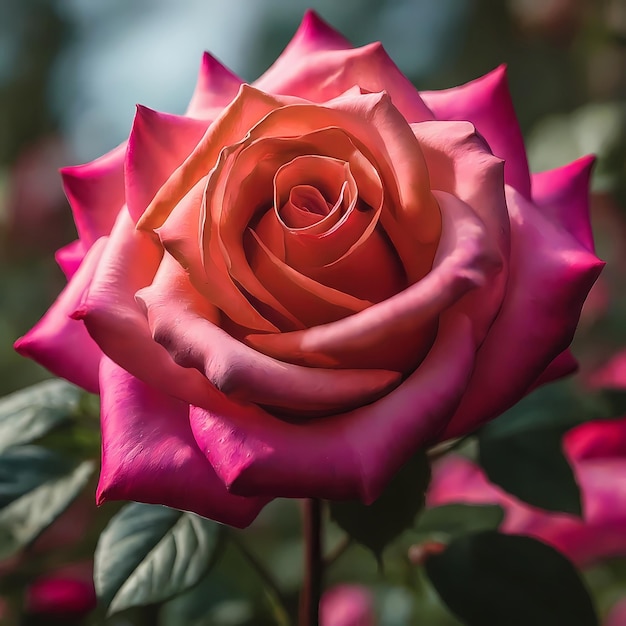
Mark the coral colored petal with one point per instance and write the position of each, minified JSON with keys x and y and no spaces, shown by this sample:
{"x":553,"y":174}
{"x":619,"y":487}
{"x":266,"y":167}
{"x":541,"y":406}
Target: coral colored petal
{"x":193,"y":339}
{"x":96,"y":194}
{"x":346,"y":456}
{"x":550,"y":277}
{"x":215,"y":88}
{"x":70,"y":257}
{"x":62,"y":344}
{"x":394,"y":334}
{"x":118,"y":324}
{"x":158,"y":144}
{"x":563,"y":193}
{"x":486,"y":102}
{"x":149,"y":453}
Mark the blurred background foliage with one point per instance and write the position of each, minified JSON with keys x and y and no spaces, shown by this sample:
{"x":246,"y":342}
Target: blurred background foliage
{"x":71,"y":72}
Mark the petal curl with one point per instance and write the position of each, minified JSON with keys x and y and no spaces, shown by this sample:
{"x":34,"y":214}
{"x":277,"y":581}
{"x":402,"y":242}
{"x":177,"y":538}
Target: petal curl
{"x":486,"y":102}
{"x":96,"y":194}
{"x":351,"y":455}
{"x":158,"y":144}
{"x":61,"y":344}
{"x":190,"y":334}
{"x":70,"y":257}
{"x":149,"y":453}
{"x":551,"y":274}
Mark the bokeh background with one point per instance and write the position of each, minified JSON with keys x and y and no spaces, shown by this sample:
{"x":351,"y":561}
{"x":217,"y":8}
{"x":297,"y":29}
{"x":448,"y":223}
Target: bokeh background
{"x":71,"y":72}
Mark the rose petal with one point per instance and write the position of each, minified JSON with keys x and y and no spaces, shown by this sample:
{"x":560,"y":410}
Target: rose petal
{"x":70,"y":257}
{"x":612,"y":375}
{"x":395,"y":333}
{"x":564,"y":192}
{"x":137,"y":418}
{"x":318,"y":66}
{"x":215,"y":88}
{"x":194,"y":340}
{"x":597,"y":439}
{"x":61,"y":344}
{"x":119,"y":326}
{"x":551,"y":273}
{"x":158,"y":144}
{"x":486,"y":102}
{"x":351,"y":455}
{"x":96,"y":193}
{"x":563,"y":365}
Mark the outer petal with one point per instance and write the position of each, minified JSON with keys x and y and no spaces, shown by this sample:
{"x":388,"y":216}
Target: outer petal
{"x":62,"y":344}
{"x":157,"y":145}
{"x":551,"y":275}
{"x":563,"y":365}
{"x":70,"y":257}
{"x":188,"y":331}
{"x":319,"y":65}
{"x":563,"y":193}
{"x":118,"y":324}
{"x":486,"y":102}
{"x":351,"y":455}
{"x":96,"y":194}
{"x":215,"y":88}
{"x":149,"y":454}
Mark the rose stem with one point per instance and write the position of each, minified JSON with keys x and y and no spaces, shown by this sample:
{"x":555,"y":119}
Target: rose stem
{"x":312,"y":588}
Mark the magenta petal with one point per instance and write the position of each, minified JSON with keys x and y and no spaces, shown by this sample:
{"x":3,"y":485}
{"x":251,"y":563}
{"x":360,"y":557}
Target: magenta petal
{"x":158,"y":144}
{"x":149,"y":454}
{"x":347,"y":456}
{"x":564,"y":192}
{"x":563,"y":365}
{"x":215,"y":88}
{"x":96,"y":194}
{"x":486,"y":102}
{"x":70,"y":257}
{"x":62,"y":344}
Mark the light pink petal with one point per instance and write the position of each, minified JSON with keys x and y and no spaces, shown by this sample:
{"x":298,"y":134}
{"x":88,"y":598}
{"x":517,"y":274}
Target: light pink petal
{"x":617,"y":614}
{"x":185,"y":323}
{"x":96,"y":194}
{"x":320,"y":65}
{"x":215,"y":88}
{"x":486,"y":102}
{"x":117,"y":323}
{"x":563,"y":193}
{"x":612,"y":375}
{"x":551,"y":274}
{"x":158,"y":144}
{"x":70,"y":257}
{"x":347,"y":456}
{"x":347,"y":605}
{"x":149,"y":454}
{"x":61,"y":344}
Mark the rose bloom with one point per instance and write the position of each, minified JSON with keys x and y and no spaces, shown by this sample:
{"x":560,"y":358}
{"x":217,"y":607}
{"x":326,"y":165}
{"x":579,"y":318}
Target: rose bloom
{"x":597,"y":453}
{"x":296,"y":285}
{"x":347,"y":605}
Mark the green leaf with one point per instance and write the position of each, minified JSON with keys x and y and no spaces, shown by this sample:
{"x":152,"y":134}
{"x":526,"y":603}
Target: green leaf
{"x":453,"y":520}
{"x":30,"y":413}
{"x":23,"y":468}
{"x":489,"y":579}
{"x":149,"y":553}
{"x":22,"y":521}
{"x":522,"y":451}
{"x":377,"y":524}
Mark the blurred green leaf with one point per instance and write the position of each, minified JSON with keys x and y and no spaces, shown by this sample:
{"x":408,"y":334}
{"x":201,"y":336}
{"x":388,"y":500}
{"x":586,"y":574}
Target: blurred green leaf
{"x":23,"y":468}
{"x":30,"y":413}
{"x":490,"y":579}
{"x":453,"y":520}
{"x":22,"y":521}
{"x":149,"y":553}
{"x":379,"y":523}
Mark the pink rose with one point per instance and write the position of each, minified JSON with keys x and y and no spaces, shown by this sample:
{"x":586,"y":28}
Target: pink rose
{"x":597,"y":452}
{"x":61,"y":596}
{"x":299,"y":283}
{"x":347,"y":605}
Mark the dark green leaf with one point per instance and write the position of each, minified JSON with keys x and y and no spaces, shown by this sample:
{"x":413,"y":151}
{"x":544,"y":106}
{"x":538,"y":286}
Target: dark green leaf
{"x":489,"y":579}
{"x":453,"y":520}
{"x":522,"y":451}
{"x":30,"y":413}
{"x":149,"y":553}
{"x":22,"y":521}
{"x":378,"y":524}
{"x":23,"y":468}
